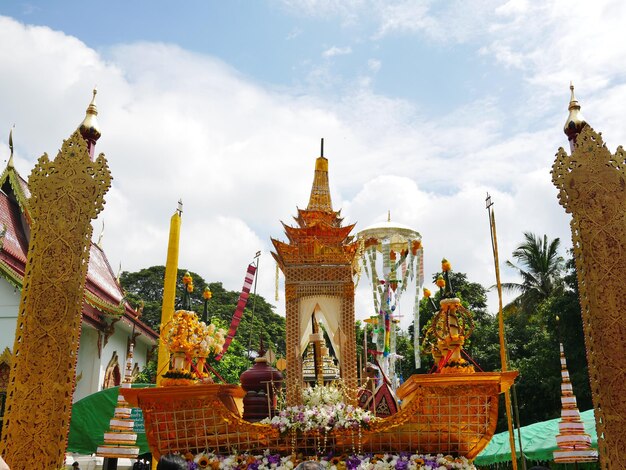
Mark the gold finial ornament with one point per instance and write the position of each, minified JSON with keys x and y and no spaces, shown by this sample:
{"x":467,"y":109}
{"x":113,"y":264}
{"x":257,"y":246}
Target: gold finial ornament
{"x":10,"y":162}
{"x":66,"y":194}
{"x":575,"y":121}
{"x":89,"y":128}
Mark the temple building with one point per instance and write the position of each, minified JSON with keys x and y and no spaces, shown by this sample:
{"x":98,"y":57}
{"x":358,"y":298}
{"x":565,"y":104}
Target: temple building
{"x":109,"y":324}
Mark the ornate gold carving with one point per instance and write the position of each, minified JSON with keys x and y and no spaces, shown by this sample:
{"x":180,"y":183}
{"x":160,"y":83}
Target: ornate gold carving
{"x":66,"y":193}
{"x":290,"y":292}
{"x":592,"y":187}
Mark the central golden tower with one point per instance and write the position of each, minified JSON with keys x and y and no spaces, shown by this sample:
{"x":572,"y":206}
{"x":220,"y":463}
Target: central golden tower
{"x":317,"y":264}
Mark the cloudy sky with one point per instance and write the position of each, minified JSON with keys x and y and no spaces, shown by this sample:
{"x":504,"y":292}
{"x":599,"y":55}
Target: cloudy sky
{"x":425,"y":107}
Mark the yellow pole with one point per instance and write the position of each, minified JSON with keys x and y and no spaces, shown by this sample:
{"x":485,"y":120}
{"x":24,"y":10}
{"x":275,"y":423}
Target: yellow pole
{"x":169,"y":292}
{"x":503,"y":361}
{"x":169,"y":287}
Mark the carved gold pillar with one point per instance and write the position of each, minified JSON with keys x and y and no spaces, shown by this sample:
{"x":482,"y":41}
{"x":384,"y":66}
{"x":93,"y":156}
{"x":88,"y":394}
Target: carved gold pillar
{"x":348,"y":346}
{"x":592,"y":187}
{"x":292,"y":343}
{"x":67,"y":193}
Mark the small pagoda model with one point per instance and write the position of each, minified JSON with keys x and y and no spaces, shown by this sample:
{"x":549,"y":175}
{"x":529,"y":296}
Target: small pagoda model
{"x":120,"y":441}
{"x":329,"y":370}
{"x":574,"y":443}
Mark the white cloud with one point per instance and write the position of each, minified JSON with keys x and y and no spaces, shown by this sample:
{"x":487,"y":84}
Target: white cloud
{"x":454,"y":21}
{"x":374,"y":65}
{"x":177,"y":124}
{"x":348,"y":10}
{"x":294,"y":33}
{"x":335,"y":51}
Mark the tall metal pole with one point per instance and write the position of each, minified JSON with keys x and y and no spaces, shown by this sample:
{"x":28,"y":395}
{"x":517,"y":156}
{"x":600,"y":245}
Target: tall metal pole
{"x":503,"y":359}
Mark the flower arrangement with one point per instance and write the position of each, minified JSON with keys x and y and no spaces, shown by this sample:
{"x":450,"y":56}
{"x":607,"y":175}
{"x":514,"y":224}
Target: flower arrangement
{"x":268,"y":461}
{"x":322,"y":395}
{"x":184,"y":333}
{"x":320,"y":418}
{"x":187,"y":338}
{"x":208,"y":339}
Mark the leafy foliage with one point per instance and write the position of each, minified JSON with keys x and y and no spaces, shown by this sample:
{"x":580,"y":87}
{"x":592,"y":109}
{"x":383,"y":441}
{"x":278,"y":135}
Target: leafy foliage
{"x":540,"y":267}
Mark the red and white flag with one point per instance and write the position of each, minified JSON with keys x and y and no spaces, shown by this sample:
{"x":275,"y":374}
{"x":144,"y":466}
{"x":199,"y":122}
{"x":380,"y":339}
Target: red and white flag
{"x":241,"y":305}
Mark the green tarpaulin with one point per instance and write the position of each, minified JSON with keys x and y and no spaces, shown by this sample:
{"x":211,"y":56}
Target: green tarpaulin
{"x":538,"y":440}
{"x":90,"y":420}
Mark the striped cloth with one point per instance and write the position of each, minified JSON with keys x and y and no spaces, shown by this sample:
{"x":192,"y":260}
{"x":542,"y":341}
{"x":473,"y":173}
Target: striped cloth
{"x":241,"y":305}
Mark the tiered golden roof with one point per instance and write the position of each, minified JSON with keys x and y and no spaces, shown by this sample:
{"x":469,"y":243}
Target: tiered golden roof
{"x":319,"y":235}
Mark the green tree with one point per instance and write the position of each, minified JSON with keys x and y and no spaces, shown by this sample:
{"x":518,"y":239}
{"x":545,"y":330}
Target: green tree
{"x":540,"y":267}
{"x":146,"y":285}
{"x":570,"y":328}
{"x":533,"y":348}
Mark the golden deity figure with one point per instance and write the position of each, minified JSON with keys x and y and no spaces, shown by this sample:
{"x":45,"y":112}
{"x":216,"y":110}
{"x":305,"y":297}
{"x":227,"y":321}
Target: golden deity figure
{"x":66,"y":194}
{"x":592,"y":187}
{"x":449,"y":328}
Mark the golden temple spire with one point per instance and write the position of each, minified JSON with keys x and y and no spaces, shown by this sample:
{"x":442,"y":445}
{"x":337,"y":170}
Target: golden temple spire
{"x":89,"y":128}
{"x":320,"y":191}
{"x":575,"y":121}
{"x":10,"y":163}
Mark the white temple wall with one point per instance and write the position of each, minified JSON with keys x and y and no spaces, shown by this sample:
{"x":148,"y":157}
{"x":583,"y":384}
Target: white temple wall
{"x":88,"y":364}
{"x":90,"y":368}
{"x":9,"y":305}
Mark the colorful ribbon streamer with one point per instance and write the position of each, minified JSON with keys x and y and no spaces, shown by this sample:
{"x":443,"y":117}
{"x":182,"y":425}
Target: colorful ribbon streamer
{"x":241,"y":305}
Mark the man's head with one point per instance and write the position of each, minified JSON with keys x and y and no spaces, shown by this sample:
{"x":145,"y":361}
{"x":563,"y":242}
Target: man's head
{"x":309,"y":465}
{"x":75,"y":465}
{"x":172,"y":462}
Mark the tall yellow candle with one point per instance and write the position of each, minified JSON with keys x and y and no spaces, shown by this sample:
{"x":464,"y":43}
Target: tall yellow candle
{"x":169,"y":289}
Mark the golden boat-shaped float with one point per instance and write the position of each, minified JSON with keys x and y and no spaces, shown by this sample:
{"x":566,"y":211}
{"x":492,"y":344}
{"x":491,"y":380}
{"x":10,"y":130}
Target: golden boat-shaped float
{"x":441,"y":413}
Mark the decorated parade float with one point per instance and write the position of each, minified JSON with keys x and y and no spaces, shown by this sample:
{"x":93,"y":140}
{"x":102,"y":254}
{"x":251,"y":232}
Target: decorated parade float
{"x":315,"y":408}
{"x":318,"y":406}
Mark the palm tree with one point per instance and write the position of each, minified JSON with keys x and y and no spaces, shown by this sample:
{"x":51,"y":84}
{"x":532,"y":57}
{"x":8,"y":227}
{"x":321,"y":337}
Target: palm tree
{"x":540,"y":267}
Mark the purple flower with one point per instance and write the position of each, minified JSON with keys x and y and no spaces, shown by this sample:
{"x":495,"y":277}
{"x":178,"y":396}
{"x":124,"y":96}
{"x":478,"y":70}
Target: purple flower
{"x":401,"y":464}
{"x":253,"y":466}
{"x":353,"y":462}
{"x":192,"y":465}
{"x":273,"y":459}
